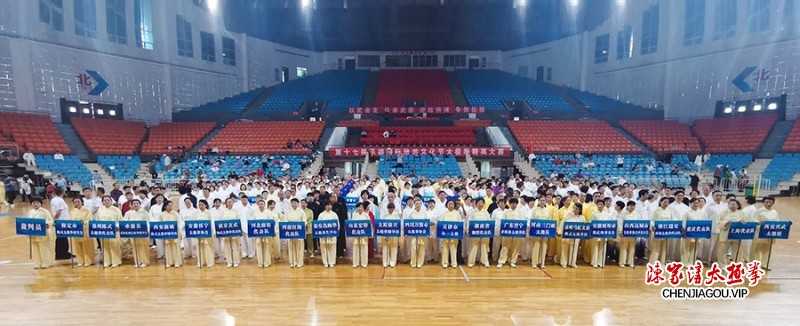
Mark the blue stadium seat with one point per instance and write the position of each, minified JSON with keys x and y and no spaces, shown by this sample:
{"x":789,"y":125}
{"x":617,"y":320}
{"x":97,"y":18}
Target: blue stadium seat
{"x":120,"y":167}
{"x":235,"y":164}
{"x":598,"y":103}
{"x":233,"y":104}
{"x":782,"y":168}
{"x":488,"y":88}
{"x":72,"y":168}
{"x":734,"y":161}
{"x":421,"y":166}
{"x":606,"y":168}
{"x":341,"y":89}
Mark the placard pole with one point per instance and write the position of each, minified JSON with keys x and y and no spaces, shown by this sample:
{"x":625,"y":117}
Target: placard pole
{"x":135,"y":253}
{"x":30,"y":247}
{"x":605,"y":245}
{"x":769,"y":254}
{"x":102,"y":254}
{"x":71,"y":255}
{"x":739,"y":247}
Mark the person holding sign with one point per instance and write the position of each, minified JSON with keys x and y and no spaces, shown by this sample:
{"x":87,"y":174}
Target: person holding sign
{"x":389,"y":244}
{"x":479,"y":244}
{"x":449,"y":246}
{"x":734,"y":213}
{"x":761,"y":247}
{"x":82,"y":248}
{"x":658,"y":247}
{"x":510,"y":244}
{"x":231,"y":246}
{"x":205,"y":246}
{"x":418,"y":244}
{"x":264,"y":244}
{"x":538,"y":244}
{"x":360,"y":246}
{"x":689,"y":247}
{"x":112,"y":253}
{"x":172,"y":247}
{"x":627,"y":245}
{"x":136,"y":213}
{"x":328,"y":245}
{"x":569,"y":252}
{"x":43,"y":252}
{"x":187,"y":213}
{"x":597,"y":245}
{"x":295,"y":214}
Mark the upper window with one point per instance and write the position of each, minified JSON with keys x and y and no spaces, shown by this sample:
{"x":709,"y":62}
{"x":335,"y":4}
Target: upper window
{"x":228,"y":51}
{"x":625,"y":43}
{"x":695,"y":24}
{"x":115,"y":21}
{"x":725,"y":19}
{"x":758,"y":15}
{"x":601,"y":48}
{"x":184,"y":31}
{"x":51,"y":12}
{"x":207,"y":49}
{"x":650,"y":30}
{"x":85,"y":22}
{"x":143,"y":30}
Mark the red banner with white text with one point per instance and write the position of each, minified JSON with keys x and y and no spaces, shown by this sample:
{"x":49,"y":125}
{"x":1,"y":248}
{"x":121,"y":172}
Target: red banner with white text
{"x":457,"y":151}
{"x":425,"y":110}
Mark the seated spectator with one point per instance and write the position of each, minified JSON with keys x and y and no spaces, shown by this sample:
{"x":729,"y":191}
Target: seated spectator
{"x":58,"y":156}
{"x":30,"y":159}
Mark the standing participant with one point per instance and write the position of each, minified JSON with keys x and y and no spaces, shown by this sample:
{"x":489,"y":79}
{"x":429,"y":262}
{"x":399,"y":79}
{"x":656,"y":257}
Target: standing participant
{"x":187,"y":213}
{"x":433,"y":215}
{"x":172,"y":247}
{"x":264,"y":244}
{"x":245,"y":211}
{"x":60,"y":210}
{"x":137,"y":213}
{"x":658,"y":247}
{"x":597,"y":245}
{"x":340,"y":208}
{"x":479,"y":244}
{"x":418,"y":244}
{"x":627,"y":246}
{"x":304,"y":205}
{"x":42,"y":247}
{"x":733,"y":214}
{"x":713,"y":208}
{"x":389,"y":244}
{"x":295,"y":214}
{"x":231,"y":245}
{"x":155,"y":215}
{"x":689,"y":247}
{"x":328,"y":245}
{"x":205,"y":246}
{"x":510,"y":245}
{"x":112,"y":254}
{"x":539,"y":245}
{"x":82,"y":248}
{"x":569,"y":250}
{"x":449,"y":245}
{"x":360,"y":246}
{"x":761,"y":249}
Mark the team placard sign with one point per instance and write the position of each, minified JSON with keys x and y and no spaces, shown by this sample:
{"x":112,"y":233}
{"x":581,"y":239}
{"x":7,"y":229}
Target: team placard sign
{"x":292,"y":230}
{"x":635,"y":229}
{"x":358,"y":228}
{"x":542,"y":229}
{"x":198,"y":229}
{"x":577,"y":230}
{"x":102,"y":229}
{"x":69,"y":228}
{"x":260,"y":228}
{"x":668,"y":230}
{"x":133,"y":229}
{"x":165,"y":230}
{"x":417,"y":228}
{"x":481,"y":229}
{"x":775,"y":230}
{"x":451,"y":230}
{"x":698,"y":229}
{"x":325,"y":229}
{"x":387,"y":228}
{"x":742,"y":231}
{"x":228,"y":228}
{"x":513,"y":228}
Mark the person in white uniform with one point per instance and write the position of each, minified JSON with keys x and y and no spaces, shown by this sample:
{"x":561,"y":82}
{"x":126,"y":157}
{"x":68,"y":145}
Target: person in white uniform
{"x":328,"y":245}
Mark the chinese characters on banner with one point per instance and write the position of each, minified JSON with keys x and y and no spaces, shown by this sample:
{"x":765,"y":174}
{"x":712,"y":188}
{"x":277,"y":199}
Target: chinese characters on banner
{"x":454,"y":151}
{"x":413,"y":110}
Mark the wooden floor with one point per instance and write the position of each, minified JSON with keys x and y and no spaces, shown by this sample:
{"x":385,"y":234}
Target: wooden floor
{"x":314,"y":295}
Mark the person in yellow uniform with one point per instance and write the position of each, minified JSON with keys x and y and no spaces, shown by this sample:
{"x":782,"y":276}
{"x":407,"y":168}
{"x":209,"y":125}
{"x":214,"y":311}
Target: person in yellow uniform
{"x":43,"y":252}
{"x":658,"y":247}
{"x":449,"y":246}
{"x":295,"y":214}
{"x":389,"y":244}
{"x":477,"y":245}
{"x":569,"y":250}
{"x":418,"y":244}
{"x":82,"y":248}
{"x":596,"y":245}
{"x":360,"y":247}
{"x":627,"y":246}
{"x":205,"y":246}
{"x":511,"y":246}
{"x":112,"y":253}
{"x":136,"y":213}
{"x":734,"y":213}
{"x":309,"y":233}
{"x":231,"y":245}
{"x":539,"y":244}
{"x":172,"y":247}
{"x":761,"y":248}
{"x":689,"y":247}
{"x":264,"y":244}
{"x":328,"y":245}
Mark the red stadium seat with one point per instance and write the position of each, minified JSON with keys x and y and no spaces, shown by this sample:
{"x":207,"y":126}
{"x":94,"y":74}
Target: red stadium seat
{"x":397,"y":86}
{"x":168,"y":136}
{"x":112,"y":137}
{"x":265,"y":137}
{"x":420,"y":136}
{"x":34,"y":132}
{"x":743,"y":134}
{"x":588,"y":137}
{"x":663,"y":136}
{"x":792,"y":143}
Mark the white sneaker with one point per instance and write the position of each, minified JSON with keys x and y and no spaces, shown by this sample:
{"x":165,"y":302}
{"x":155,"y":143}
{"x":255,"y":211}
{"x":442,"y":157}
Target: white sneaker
{"x":235,"y":265}
{"x":230,"y":265}
{"x":513,"y":265}
{"x":499,"y":265}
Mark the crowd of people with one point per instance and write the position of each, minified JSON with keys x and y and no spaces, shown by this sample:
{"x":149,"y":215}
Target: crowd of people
{"x":306,"y":199}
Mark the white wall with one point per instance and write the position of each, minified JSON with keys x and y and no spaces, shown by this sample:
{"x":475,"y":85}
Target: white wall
{"x":550,"y":55}
{"x":330,"y":60}
{"x":264,"y":57}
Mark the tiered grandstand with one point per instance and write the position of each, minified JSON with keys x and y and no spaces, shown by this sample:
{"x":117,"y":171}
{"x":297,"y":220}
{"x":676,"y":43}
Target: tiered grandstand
{"x":266,"y":137}
{"x":663,"y":136}
{"x":167,"y":137}
{"x":588,"y":137}
{"x":115,"y":137}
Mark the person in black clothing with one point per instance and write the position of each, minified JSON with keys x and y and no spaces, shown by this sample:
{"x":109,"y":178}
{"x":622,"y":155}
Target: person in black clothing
{"x":339,"y":207}
{"x":316,"y":209}
{"x":695,"y":182}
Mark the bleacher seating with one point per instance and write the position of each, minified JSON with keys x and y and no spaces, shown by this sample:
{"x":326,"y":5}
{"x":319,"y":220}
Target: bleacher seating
{"x":359,"y":123}
{"x":733,"y":161}
{"x":782,"y":167}
{"x":742,"y":134}
{"x":663,"y":136}
{"x":416,"y":136}
{"x":233,"y":104}
{"x":195,"y":166}
{"x":71,"y":168}
{"x":792,"y":143}
{"x":35,"y":132}
{"x":341,"y":89}
{"x":472,"y":123}
{"x":166,"y":137}
{"x":113,"y":137}
{"x":682,"y":161}
{"x":598,"y":103}
{"x":259,"y":137}
{"x":489,"y":88}
{"x":586,"y":137}
{"x":397,"y":86}
{"x":605,"y":167}
{"x":421,"y":166}
{"x":120,"y":167}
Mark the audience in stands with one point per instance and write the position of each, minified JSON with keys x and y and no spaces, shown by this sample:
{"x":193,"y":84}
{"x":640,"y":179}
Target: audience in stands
{"x":30,"y":159}
{"x":58,"y":156}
